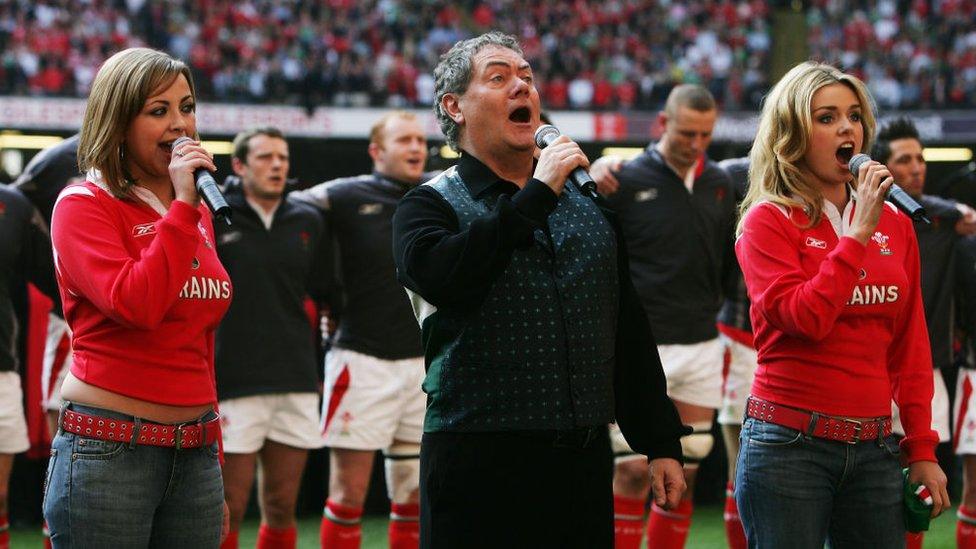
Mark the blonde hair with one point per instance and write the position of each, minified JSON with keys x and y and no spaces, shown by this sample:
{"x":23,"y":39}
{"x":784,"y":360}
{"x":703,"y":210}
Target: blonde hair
{"x":118,"y":93}
{"x":783,"y":137}
{"x":378,"y":131}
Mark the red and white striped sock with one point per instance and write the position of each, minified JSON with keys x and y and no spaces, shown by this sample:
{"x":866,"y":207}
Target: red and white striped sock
{"x":669,"y":529}
{"x":341,"y":526}
{"x":734,"y":532}
{"x":966,"y":528}
{"x":628,"y":522}
{"x":47,"y":536}
{"x":404,"y":529}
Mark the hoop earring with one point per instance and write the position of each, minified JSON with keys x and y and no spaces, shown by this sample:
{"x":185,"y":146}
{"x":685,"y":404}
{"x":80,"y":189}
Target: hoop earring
{"x":126,"y":178}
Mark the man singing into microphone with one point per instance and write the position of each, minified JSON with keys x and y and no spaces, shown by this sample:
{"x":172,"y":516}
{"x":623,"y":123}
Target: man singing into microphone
{"x":534,"y":337}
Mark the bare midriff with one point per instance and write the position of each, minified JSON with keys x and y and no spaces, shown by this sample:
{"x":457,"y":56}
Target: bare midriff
{"x":79,"y":392}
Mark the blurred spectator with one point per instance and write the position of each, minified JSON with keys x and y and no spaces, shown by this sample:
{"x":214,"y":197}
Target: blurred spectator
{"x":586,"y":53}
{"x":912,"y":54}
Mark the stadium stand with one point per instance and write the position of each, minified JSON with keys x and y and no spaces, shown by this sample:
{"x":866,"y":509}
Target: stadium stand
{"x":912,"y":53}
{"x":588,"y":54}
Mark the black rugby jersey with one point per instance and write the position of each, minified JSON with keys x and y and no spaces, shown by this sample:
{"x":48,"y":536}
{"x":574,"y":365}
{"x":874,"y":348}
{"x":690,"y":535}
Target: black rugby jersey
{"x":937,"y":244}
{"x":264,"y":343}
{"x":47,"y":173}
{"x":735,"y":309}
{"x":375,"y":316}
{"x":680,"y":244}
{"x":42,"y":180}
{"x":25,"y":256}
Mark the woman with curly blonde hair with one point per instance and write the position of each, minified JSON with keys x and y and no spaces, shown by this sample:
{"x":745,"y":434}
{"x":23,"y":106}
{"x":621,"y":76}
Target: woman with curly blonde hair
{"x":832,"y":271}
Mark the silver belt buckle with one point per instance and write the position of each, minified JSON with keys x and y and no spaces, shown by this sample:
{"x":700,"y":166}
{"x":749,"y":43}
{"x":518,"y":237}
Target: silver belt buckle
{"x":858,"y":427}
{"x":178,"y":436}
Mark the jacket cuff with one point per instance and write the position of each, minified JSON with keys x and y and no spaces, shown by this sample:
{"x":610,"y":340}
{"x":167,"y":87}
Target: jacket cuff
{"x":666,"y":449}
{"x":535,"y":201}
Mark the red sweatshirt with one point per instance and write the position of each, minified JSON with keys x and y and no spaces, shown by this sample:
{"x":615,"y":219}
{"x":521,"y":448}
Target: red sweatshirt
{"x":839,"y":326}
{"x":143,"y":293}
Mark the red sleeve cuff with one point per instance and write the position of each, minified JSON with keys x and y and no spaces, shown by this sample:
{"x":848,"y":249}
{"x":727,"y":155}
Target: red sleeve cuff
{"x":182,"y":214}
{"x":920,"y":448}
{"x":850,"y":251}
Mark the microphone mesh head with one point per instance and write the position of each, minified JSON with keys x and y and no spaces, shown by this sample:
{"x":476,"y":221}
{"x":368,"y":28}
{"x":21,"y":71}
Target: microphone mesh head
{"x":855,"y":164}
{"x":545,"y":134}
{"x":179,"y":142}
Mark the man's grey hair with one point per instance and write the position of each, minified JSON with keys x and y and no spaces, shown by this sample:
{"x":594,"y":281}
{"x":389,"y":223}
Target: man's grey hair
{"x":453,"y":74}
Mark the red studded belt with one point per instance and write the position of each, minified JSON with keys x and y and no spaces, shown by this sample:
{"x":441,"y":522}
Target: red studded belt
{"x":184,"y":435}
{"x":818,"y":425}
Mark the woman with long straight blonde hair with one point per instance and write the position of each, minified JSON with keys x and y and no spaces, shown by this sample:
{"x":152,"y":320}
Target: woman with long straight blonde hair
{"x":832,"y":271}
{"x":135,"y":461}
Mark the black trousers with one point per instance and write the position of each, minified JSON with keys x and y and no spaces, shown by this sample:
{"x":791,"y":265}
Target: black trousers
{"x":511,"y":490}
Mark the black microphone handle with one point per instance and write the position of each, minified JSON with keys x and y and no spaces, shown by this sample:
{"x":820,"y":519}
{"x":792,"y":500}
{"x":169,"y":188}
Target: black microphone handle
{"x":896,"y":195}
{"x":207,"y":189}
{"x":904,"y":201}
{"x":544,"y":136}
{"x":583,"y":182}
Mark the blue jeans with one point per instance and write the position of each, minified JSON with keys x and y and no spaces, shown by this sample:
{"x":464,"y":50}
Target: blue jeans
{"x":797,"y":491}
{"x":103,"y":494}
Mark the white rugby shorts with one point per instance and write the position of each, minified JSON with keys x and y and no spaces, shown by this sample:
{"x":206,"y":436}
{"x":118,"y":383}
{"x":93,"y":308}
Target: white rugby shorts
{"x":694,"y":372}
{"x":964,"y":434}
{"x":287,"y":418}
{"x":13,"y":424}
{"x":618,"y":444}
{"x":742,"y":362}
{"x":56,"y":363}
{"x":370,"y":402}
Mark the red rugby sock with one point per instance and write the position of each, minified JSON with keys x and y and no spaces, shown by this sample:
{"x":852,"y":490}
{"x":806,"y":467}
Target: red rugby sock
{"x":734,"y":533}
{"x":404,"y":530}
{"x":628,"y":522}
{"x":4,"y":532}
{"x":966,"y":528}
{"x":913,"y":540}
{"x":669,"y":529}
{"x":341,"y":526}
{"x":277,"y":538}
{"x":231,"y":541}
{"x":47,"y":536}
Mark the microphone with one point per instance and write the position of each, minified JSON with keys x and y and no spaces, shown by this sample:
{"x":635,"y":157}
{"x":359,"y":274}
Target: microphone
{"x":546,"y":134}
{"x":207,"y":188}
{"x":895,"y":194}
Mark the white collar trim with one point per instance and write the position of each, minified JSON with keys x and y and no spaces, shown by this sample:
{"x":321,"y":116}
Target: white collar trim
{"x":141,"y":193}
{"x":841,"y":222}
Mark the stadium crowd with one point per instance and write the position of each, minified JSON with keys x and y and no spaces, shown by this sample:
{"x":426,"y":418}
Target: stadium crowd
{"x":912,"y":54}
{"x":587,"y":54}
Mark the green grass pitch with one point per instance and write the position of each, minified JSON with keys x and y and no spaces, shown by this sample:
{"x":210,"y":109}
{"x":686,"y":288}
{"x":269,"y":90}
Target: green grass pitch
{"x":707,"y":532}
